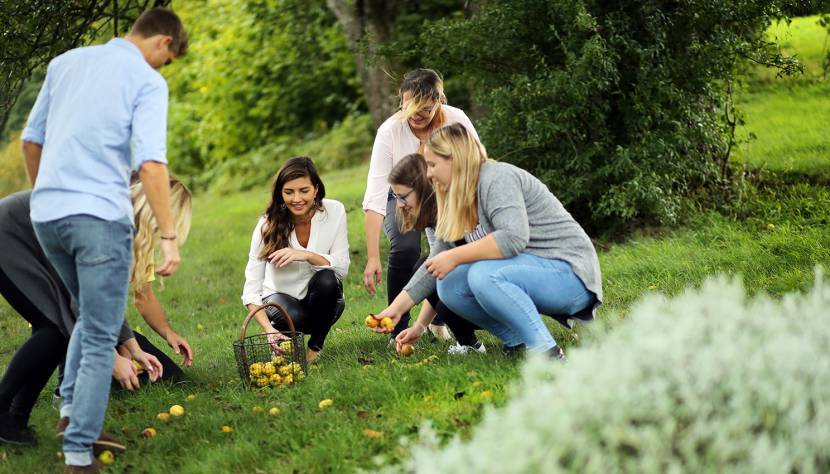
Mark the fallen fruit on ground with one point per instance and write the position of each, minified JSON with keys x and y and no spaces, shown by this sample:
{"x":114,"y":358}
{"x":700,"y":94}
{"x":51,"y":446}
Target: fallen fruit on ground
{"x":407,"y":350}
{"x":177,"y":410}
{"x":106,"y":457}
{"x":325,"y":403}
{"x":226,"y":429}
{"x":163,"y":417}
{"x":149,"y":432}
{"x":274,"y":411}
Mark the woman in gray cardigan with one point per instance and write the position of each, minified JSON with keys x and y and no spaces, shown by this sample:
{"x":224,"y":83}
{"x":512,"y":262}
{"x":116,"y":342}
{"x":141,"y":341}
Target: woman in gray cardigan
{"x":524,"y":253}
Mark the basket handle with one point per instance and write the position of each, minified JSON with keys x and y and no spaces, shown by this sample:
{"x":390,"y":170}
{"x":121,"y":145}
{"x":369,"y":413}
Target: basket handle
{"x":254,"y":311}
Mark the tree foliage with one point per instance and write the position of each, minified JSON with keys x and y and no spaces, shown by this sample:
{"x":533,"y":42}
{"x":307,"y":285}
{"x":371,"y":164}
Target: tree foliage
{"x":259,"y":72}
{"x":622,"y":108}
{"x":33,"y":32}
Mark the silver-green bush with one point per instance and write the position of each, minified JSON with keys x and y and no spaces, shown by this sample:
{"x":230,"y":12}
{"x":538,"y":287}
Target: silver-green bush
{"x":709,"y":381}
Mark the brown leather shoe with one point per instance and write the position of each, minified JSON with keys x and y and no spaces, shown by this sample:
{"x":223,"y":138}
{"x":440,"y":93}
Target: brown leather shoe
{"x":104,"y":442}
{"x":94,"y":467}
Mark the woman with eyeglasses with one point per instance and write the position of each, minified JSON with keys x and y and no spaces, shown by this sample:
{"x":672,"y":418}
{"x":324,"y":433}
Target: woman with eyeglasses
{"x":416,"y":210}
{"x":522,"y":254}
{"x":423,"y":109}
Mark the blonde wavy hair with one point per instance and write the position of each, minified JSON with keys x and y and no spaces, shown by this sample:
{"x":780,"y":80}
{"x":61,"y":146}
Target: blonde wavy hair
{"x":425,"y":88}
{"x":147,"y":231}
{"x":458,"y":203}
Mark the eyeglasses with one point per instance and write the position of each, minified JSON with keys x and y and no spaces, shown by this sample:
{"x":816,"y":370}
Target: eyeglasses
{"x":402,"y":197}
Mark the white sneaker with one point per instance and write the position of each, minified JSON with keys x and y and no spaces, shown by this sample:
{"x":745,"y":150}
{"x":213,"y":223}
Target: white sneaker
{"x":440,"y":332}
{"x":458,"y":349}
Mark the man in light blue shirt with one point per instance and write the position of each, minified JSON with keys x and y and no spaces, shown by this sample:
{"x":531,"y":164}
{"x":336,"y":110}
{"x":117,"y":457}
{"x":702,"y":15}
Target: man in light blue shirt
{"x":101,"y":112}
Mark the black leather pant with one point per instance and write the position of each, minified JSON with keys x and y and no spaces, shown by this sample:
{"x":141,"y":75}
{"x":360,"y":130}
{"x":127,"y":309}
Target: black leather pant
{"x":316,"y":313}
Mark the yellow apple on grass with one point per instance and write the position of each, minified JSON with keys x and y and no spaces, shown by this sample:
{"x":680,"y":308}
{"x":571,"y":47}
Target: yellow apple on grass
{"x":106,"y":457}
{"x":177,"y":410}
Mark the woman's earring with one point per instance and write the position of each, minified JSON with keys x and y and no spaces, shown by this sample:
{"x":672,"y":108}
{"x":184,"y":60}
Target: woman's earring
{"x":282,"y":206}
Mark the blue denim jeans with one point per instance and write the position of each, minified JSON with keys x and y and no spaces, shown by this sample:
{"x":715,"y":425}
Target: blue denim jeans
{"x":505,"y":297}
{"x":92,"y":257}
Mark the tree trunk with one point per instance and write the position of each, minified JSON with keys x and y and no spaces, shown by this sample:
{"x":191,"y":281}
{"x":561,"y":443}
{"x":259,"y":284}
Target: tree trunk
{"x":368,"y":24}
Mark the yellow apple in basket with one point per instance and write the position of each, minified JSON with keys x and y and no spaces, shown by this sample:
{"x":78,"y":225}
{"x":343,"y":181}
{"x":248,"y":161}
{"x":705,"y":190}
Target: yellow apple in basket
{"x":255,"y":369}
{"x":269,"y":369}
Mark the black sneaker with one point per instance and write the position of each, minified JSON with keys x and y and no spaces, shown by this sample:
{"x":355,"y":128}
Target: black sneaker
{"x":15,"y":432}
{"x":556,"y":353}
{"x":513,"y":351}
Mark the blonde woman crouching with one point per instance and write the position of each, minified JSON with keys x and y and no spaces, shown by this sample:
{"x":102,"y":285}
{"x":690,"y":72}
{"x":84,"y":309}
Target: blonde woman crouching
{"x":524,"y":253}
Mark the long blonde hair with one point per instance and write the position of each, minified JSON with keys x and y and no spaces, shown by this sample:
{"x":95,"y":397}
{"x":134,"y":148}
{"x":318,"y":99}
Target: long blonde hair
{"x":458,"y":203}
{"x":147,"y":231}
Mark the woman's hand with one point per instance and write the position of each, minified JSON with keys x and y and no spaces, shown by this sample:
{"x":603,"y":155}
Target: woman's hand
{"x":150,"y":364}
{"x":442,"y":264}
{"x":274,"y":338}
{"x":286,"y":255}
{"x":372,"y":275}
{"x":125,"y":372}
{"x":409,"y":336}
{"x":180,"y":346}
{"x":386,"y":313}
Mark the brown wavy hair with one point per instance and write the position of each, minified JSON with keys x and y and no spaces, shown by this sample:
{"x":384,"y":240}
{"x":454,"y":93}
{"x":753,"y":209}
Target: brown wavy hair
{"x":411,"y":171}
{"x":278,"y":225}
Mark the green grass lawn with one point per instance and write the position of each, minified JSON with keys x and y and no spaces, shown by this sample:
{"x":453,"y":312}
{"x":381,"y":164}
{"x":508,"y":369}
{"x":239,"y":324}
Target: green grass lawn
{"x":370,"y":387}
{"x":785,"y":129}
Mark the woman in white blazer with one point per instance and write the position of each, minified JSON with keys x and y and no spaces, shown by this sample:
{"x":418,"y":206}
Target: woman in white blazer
{"x":299,"y":256}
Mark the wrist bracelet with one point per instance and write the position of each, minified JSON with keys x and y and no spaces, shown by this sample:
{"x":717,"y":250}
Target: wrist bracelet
{"x":168,"y":238}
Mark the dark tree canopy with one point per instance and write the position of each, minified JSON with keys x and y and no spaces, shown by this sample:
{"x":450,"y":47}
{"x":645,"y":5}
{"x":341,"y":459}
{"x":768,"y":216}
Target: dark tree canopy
{"x":32,"y":32}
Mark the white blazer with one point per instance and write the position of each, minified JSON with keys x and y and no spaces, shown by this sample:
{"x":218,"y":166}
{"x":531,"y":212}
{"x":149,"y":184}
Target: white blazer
{"x":329,"y":239}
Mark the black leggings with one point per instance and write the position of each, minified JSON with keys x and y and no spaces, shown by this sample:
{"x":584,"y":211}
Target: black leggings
{"x":316,"y":313}
{"x":404,"y":252}
{"x":35,"y":360}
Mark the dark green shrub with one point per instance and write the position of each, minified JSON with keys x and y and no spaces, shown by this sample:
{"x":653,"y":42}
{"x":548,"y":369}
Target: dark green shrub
{"x":620,"y":107}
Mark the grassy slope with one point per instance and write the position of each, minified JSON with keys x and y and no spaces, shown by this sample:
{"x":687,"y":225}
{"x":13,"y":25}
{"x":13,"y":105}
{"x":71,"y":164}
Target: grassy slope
{"x":390,"y":395}
{"x":787,"y":115}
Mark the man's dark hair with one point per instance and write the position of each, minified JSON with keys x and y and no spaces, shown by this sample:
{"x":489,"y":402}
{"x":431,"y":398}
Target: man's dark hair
{"x":160,"y":21}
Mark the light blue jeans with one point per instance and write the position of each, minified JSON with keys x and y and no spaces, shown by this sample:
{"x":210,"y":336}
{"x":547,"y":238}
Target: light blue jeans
{"x":92,"y":257}
{"x":505,"y":297}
